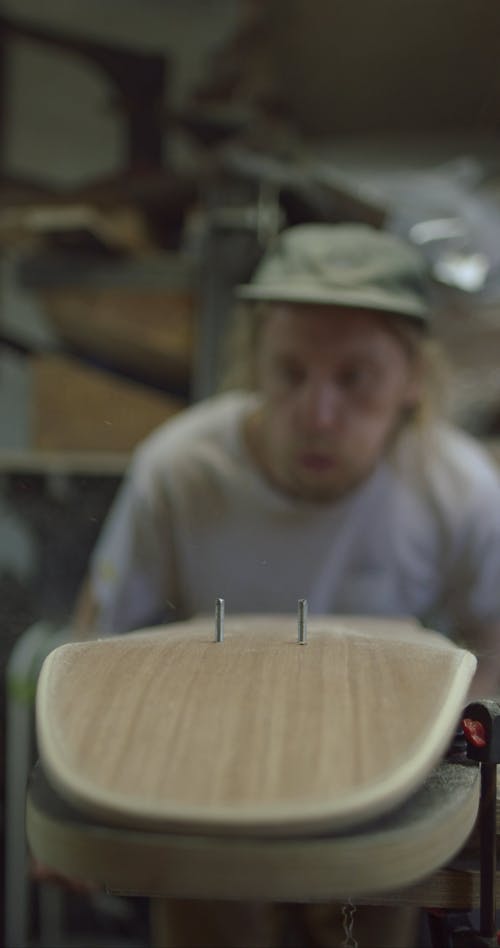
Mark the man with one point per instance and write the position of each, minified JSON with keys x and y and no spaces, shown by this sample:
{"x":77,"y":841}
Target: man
{"x":332,"y":480}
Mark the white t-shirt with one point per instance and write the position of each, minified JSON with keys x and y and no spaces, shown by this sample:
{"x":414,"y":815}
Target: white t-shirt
{"x":195,"y":519}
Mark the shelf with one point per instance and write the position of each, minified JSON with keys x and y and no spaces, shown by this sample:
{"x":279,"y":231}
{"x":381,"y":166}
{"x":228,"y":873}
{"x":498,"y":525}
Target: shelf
{"x":88,"y":463}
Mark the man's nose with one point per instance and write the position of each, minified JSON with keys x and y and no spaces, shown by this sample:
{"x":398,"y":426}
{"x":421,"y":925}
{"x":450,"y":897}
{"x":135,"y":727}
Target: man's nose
{"x":320,"y":405}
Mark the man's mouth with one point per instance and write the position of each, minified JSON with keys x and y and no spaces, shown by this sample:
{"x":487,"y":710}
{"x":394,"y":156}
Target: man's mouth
{"x":316,"y":461}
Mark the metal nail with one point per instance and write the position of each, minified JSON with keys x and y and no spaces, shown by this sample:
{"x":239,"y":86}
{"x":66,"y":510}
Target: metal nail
{"x":219,"y":620}
{"x":302,"y":618}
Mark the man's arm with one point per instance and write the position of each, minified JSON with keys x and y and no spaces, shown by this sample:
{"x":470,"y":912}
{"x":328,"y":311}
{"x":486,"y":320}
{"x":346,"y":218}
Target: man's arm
{"x":131,"y":575}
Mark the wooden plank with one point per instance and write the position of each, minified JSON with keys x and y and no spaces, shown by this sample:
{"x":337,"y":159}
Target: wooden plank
{"x":148,"y":331}
{"x":257,"y":734}
{"x":80,"y":408}
{"x":93,"y":463}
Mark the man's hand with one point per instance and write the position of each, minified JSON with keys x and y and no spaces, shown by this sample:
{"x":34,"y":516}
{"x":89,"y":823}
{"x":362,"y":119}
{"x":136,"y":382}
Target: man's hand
{"x":41,"y":873}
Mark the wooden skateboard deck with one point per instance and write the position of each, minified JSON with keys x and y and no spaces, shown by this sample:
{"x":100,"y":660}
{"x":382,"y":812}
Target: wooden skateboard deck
{"x":398,"y":857}
{"x":256,"y":735}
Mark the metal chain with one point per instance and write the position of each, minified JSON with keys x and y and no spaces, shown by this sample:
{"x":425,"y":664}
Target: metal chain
{"x":348,"y":912}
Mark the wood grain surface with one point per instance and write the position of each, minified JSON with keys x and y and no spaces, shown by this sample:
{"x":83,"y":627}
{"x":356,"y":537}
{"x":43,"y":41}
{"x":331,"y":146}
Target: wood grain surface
{"x":77,"y":407}
{"x":255,"y":735}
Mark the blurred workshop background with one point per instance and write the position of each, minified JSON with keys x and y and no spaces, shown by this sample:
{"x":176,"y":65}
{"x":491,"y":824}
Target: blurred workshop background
{"x":149,"y":149}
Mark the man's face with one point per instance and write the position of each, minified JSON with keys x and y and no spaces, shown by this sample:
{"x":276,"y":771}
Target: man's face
{"x":335,"y":384}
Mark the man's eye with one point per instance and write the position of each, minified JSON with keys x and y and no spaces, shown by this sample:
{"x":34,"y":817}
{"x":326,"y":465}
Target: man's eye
{"x":290,"y":373}
{"x":358,"y":377}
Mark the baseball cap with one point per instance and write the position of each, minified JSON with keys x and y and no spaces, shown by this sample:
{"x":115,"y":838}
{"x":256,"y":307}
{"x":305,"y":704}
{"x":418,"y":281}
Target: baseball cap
{"x":345,"y":264}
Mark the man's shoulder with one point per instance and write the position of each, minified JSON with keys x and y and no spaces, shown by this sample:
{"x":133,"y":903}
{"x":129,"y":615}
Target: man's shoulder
{"x":215,"y":421}
{"x":447,"y":462}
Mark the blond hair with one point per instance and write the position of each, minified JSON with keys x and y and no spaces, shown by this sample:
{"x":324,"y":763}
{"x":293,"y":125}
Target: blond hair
{"x":239,"y":358}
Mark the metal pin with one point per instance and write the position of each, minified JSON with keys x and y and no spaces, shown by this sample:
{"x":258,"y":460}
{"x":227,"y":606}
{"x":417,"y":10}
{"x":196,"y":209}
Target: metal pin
{"x":219,"y":620}
{"x":302,"y":621}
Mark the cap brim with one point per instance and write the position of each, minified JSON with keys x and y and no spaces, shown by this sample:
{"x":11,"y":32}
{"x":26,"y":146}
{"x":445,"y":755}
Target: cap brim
{"x":399,"y":304}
